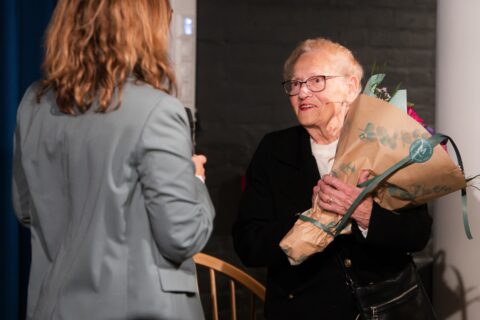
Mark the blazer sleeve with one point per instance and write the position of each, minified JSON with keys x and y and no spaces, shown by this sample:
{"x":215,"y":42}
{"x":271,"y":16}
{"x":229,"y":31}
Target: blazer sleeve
{"x":406,"y":230}
{"x":259,"y":228}
{"x":179,"y":207}
{"x":20,"y":191}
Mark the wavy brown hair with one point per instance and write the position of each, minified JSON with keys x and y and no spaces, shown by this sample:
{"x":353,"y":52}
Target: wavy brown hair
{"x":92,"y":46}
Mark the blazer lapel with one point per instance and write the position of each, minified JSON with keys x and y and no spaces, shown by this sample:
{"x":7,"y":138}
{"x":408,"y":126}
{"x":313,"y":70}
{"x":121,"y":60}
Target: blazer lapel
{"x":300,"y":171}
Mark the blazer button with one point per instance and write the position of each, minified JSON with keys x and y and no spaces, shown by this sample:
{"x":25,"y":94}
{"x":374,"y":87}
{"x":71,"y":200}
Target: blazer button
{"x":291,"y":296}
{"x":347,"y":263}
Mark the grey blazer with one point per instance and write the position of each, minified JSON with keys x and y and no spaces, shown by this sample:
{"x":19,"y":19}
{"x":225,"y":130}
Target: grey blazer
{"x":113,"y":206}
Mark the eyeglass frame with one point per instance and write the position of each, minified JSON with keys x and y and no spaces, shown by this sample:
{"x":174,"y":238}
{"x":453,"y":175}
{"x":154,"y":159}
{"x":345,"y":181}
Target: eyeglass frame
{"x":325,"y":78}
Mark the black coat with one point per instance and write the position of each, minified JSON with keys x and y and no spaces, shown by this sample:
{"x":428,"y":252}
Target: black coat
{"x":280,"y":179}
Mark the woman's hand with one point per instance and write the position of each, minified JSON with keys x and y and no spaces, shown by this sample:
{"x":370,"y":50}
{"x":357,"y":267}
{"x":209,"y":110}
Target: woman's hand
{"x":337,"y":196}
{"x":199,"y":160}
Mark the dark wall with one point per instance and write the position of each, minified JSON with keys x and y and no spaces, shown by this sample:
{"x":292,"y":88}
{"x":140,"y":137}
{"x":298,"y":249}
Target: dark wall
{"x":22,"y":25}
{"x":242,"y":45}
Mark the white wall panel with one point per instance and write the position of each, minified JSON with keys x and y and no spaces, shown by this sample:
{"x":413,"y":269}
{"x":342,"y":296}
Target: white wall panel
{"x":456,"y":289}
{"x":183,"y":48}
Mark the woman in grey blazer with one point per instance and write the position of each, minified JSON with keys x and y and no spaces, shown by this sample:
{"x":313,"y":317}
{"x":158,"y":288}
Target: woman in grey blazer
{"x":103,"y":170}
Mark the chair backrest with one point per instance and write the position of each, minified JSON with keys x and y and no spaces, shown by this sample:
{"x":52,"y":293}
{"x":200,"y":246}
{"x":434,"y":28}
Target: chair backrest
{"x":235,"y":275}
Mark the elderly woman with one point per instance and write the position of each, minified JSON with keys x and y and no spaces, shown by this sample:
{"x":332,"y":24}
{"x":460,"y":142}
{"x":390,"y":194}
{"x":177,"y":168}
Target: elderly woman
{"x":322,"y":79}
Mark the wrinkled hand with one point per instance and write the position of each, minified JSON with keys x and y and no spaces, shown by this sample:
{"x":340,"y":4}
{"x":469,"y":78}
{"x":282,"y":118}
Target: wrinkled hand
{"x":199,"y":160}
{"x":337,"y":196}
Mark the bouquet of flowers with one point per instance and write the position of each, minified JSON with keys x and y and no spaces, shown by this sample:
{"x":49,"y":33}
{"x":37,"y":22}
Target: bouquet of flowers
{"x":398,"y":99}
{"x":408,"y":165}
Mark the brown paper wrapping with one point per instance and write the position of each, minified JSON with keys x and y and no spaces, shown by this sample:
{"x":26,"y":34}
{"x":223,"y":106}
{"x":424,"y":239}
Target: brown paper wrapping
{"x":376,"y":135}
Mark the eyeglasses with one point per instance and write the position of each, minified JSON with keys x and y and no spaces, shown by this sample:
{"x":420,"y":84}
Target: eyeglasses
{"x":314,"y":84}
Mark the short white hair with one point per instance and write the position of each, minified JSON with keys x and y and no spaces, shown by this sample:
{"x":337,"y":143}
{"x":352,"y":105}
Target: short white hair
{"x":340,"y":54}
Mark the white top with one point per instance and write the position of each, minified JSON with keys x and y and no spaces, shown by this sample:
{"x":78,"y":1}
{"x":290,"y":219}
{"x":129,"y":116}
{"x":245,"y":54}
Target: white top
{"x":324,"y":155}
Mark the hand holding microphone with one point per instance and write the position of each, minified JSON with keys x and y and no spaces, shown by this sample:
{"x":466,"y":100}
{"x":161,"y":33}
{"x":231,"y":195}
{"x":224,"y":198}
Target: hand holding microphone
{"x":199,"y":160}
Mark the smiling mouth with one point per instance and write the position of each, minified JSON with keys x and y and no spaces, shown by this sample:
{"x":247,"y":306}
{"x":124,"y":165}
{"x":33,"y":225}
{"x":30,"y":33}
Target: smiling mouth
{"x":306,"y":107}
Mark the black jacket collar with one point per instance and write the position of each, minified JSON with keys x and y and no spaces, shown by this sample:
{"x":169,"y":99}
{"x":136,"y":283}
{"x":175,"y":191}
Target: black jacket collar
{"x":292,"y":147}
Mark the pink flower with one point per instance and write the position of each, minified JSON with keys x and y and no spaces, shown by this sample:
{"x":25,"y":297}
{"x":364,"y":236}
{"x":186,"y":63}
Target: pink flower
{"x":411,"y":112}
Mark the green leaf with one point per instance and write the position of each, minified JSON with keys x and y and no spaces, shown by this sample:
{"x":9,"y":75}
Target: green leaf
{"x":372,"y":83}
{"x":399,"y":100}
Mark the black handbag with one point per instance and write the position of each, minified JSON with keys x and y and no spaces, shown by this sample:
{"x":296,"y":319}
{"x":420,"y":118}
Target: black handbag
{"x":400,"y":297}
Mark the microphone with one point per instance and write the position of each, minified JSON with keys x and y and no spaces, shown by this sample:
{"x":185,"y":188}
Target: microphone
{"x":193,"y":129}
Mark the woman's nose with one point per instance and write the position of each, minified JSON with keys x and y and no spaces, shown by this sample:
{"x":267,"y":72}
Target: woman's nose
{"x":304,"y":91}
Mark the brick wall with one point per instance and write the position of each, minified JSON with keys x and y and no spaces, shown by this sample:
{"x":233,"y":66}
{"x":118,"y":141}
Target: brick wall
{"x":242,"y":45}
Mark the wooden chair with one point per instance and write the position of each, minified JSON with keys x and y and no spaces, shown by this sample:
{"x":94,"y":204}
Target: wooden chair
{"x":234,"y":275}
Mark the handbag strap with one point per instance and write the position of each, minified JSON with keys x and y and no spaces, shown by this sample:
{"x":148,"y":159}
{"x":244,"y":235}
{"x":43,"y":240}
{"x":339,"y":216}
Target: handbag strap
{"x":352,"y":279}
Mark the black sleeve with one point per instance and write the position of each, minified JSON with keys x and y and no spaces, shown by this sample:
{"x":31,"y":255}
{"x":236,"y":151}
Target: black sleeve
{"x":259,"y":228}
{"x":406,"y":230}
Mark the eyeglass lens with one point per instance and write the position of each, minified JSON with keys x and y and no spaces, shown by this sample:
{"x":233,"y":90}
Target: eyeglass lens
{"x":315,"y":84}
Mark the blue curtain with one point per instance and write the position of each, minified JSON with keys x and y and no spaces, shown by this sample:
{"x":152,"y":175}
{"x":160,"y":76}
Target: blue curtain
{"x":23,"y":23}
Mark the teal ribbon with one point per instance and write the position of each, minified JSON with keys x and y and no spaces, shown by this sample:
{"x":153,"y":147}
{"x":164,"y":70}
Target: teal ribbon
{"x":421,"y":150}
{"x":466,"y":225}
{"x":327,"y":228}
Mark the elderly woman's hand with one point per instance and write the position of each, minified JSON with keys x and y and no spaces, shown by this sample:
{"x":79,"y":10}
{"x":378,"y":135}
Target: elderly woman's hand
{"x":337,"y":196}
